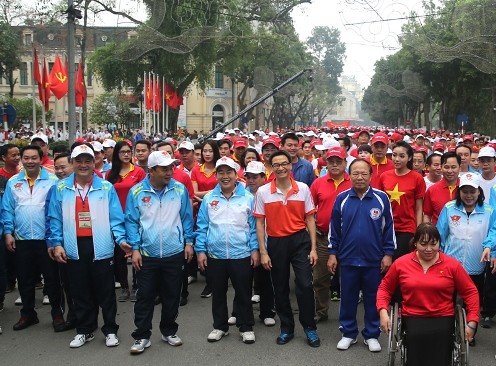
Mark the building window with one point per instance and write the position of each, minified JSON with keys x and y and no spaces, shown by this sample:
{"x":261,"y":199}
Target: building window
{"x":219,"y":77}
{"x":28,"y":39}
{"x":89,"y":77}
{"x":50,"y":67}
{"x":24,"y":73}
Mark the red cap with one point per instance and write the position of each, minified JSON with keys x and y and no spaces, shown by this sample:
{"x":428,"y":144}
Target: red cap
{"x":270,"y":141}
{"x":380,"y":137}
{"x":468,"y":138}
{"x":355,"y":135}
{"x":315,"y":142}
{"x":240,"y":142}
{"x":451,"y":148}
{"x":395,"y":137}
{"x":354,"y":153}
{"x":438,"y":146}
{"x":362,"y":131}
{"x":336,"y":151}
{"x":422,"y":149}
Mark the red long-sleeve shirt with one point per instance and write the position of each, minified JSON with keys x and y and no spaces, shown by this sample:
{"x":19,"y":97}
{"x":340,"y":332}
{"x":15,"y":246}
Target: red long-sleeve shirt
{"x":429,"y":294}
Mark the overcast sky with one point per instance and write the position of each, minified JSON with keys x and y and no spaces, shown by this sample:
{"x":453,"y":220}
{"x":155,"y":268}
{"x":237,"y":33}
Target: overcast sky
{"x":366,"y":28}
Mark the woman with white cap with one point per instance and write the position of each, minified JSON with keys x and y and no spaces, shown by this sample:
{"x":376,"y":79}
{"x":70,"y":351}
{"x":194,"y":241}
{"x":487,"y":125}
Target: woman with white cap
{"x":467,"y":229}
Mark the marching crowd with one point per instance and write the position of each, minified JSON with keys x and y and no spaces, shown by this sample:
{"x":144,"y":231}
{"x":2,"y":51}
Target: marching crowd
{"x":358,"y":215}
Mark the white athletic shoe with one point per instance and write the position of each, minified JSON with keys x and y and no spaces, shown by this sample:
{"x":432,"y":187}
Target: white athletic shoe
{"x":345,"y":343}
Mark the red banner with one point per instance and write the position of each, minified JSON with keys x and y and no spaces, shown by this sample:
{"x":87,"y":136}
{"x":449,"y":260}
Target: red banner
{"x":344,"y":124}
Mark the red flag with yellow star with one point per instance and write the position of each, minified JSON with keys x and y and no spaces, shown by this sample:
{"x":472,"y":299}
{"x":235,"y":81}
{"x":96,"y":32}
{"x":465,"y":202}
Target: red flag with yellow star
{"x":58,"y":79}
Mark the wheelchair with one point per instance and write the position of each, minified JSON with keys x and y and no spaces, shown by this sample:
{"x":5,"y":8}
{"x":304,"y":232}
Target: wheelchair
{"x":397,"y":340}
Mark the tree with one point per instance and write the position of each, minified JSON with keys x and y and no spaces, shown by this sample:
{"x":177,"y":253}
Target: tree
{"x":24,"y":109}
{"x":9,"y":55}
{"x":110,"y":109}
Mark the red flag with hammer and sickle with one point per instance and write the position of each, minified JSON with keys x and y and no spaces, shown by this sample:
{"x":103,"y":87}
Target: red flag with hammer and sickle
{"x":58,"y":79}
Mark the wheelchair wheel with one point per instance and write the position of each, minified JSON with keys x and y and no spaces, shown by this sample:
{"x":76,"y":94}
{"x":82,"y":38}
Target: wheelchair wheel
{"x":460,"y":346}
{"x":394,"y":334}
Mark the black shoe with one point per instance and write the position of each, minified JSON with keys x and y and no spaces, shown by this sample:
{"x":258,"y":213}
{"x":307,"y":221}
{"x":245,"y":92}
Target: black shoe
{"x":9,"y":288}
{"x":1,"y":306}
{"x":157,"y":300}
{"x":59,"y":324}
{"x":183,"y":301}
{"x":284,"y":338}
{"x":207,"y":292}
{"x":70,"y":325}
{"x":25,"y":322}
{"x":472,"y":342}
{"x":486,"y":322}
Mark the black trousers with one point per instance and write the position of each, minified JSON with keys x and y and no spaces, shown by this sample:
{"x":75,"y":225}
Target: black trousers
{"x":30,"y":255}
{"x":429,"y":334}
{"x":3,"y":269}
{"x":285,"y":251}
{"x":64,"y":279}
{"x":240,"y":272}
{"x":120,"y":267}
{"x":489,"y":301}
{"x":164,"y":274}
{"x":92,"y":285}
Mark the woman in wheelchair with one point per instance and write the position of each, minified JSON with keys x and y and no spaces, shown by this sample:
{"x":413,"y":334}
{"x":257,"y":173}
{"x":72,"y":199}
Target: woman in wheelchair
{"x":428,"y":280}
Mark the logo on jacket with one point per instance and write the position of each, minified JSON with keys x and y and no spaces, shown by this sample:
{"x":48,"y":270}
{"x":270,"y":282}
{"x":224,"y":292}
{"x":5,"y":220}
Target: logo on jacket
{"x":375,"y":213}
{"x":147,"y":201}
{"x":214,"y":205}
{"x":455,"y":220}
{"x":18,"y":186}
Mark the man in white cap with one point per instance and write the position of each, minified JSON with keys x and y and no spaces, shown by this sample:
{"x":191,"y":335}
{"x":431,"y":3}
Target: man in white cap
{"x":226,"y":242}
{"x":108,"y":149}
{"x":23,"y":213}
{"x":85,"y":216}
{"x":187,"y":156}
{"x":41,"y":140}
{"x":159,"y":225}
{"x":100,"y":164}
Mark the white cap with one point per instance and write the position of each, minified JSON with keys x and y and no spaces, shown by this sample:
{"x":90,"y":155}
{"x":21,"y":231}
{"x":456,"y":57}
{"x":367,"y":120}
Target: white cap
{"x":255,"y":167}
{"x":40,"y":136}
{"x":272,"y":133}
{"x":108,"y":143}
{"x":327,"y":144}
{"x":188,"y":145}
{"x":97,"y":146}
{"x":227,"y":162}
{"x":389,"y":151}
{"x":487,"y":151}
{"x":251,"y":137}
{"x":160,"y":158}
{"x":407,"y":138}
{"x":470,"y":179}
{"x":219,"y":136}
{"x":310,"y":133}
{"x":82,"y":149}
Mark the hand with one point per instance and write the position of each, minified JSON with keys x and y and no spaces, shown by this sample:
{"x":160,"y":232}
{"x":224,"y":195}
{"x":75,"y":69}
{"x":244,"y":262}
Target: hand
{"x":255,"y":259}
{"x":314,"y":257}
{"x":50,"y":253}
{"x":265,"y":261}
{"x":127,"y":249}
{"x":386,"y":263}
{"x":385,"y":322}
{"x":493,"y":265}
{"x":486,"y":255}
{"x":10,"y":243}
{"x":137,"y":260}
{"x":469,"y":333}
{"x":188,"y":252}
{"x":202,"y":260}
{"x":332,"y":264}
{"x":59,"y":254}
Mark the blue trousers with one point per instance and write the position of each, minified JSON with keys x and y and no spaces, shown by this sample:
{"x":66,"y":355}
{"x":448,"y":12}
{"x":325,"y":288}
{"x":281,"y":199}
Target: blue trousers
{"x":354,"y":279}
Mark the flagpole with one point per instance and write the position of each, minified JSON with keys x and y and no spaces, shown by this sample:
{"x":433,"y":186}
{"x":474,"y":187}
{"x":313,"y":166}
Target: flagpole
{"x":33,"y":91}
{"x":143,"y":112}
{"x":162,"y":101}
{"x":43,"y":115}
{"x":56,"y":130}
{"x":64,"y":99}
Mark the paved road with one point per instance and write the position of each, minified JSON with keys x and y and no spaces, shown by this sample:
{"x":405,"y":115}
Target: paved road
{"x":39,"y":345}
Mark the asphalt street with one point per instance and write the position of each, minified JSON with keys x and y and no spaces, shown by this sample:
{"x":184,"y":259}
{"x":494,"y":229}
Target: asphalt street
{"x":39,"y":345}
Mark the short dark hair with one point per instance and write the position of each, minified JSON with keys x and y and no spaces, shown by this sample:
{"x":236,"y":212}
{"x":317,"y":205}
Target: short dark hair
{"x":289,"y":136}
{"x":450,"y":155}
{"x":279,"y":153}
{"x":425,"y":230}
{"x":165,"y":143}
{"x":63,"y":155}
{"x":366,"y":148}
{"x":143,"y":142}
{"x":357,"y":160}
{"x":465,"y":146}
{"x":59,"y":149}
{"x":4,"y":150}
{"x":347,"y":142}
{"x":32,"y":147}
{"x":430,"y":157}
{"x":222,"y":142}
{"x":243,"y":156}
{"x":198,"y":146}
{"x":306,"y":142}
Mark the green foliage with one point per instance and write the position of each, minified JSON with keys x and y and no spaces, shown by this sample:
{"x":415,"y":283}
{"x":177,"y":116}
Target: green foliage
{"x":24,"y":109}
{"x":9,"y":54}
{"x":108,"y":109}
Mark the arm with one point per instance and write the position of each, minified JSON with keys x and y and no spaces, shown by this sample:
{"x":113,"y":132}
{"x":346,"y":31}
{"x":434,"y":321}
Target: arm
{"x":55,"y":220}
{"x":186,"y":214}
{"x":201,"y":233}
{"x":8,"y":216}
{"x":264,"y":255}
{"x":419,"y":205}
{"x":116,"y":220}
{"x":443,"y":228}
{"x":427,"y":207}
{"x":470,"y":295}
{"x":313,"y":256}
{"x":389,"y":238}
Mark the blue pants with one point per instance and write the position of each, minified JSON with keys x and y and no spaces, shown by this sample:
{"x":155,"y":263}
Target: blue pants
{"x":354,"y":279}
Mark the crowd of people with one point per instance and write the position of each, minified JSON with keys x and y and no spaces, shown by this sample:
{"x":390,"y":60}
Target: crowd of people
{"x":360,"y":216}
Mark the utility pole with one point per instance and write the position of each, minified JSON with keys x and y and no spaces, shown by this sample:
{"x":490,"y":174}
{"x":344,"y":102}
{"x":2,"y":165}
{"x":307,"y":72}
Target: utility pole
{"x":72,"y":14}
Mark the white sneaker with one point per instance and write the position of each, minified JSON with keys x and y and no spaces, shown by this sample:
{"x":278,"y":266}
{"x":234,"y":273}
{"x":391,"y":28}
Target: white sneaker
{"x":111,"y":340}
{"x":140,"y":345}
{"x":345,"y":343}
{"x":231,"y":320}
{"x":269,"y":322}
{"x":18,"y":301}
{"x":173,"y":340}
{"x":255,"y":299}
{"x":191,"y":279}
{"x":373,"y":344}
{"x":216,"y":335}
{"x":248,"y":337}
{"x":46,"y":300}
{"x":117,"y":285}
{"x":0,"y":330}
{"x":80,"y":339}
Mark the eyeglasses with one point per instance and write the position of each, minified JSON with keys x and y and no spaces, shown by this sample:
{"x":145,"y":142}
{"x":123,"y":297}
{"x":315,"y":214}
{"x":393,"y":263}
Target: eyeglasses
{"x":356,"y":175}
{"x":125,"y":152}
{"x":282,"y":165}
